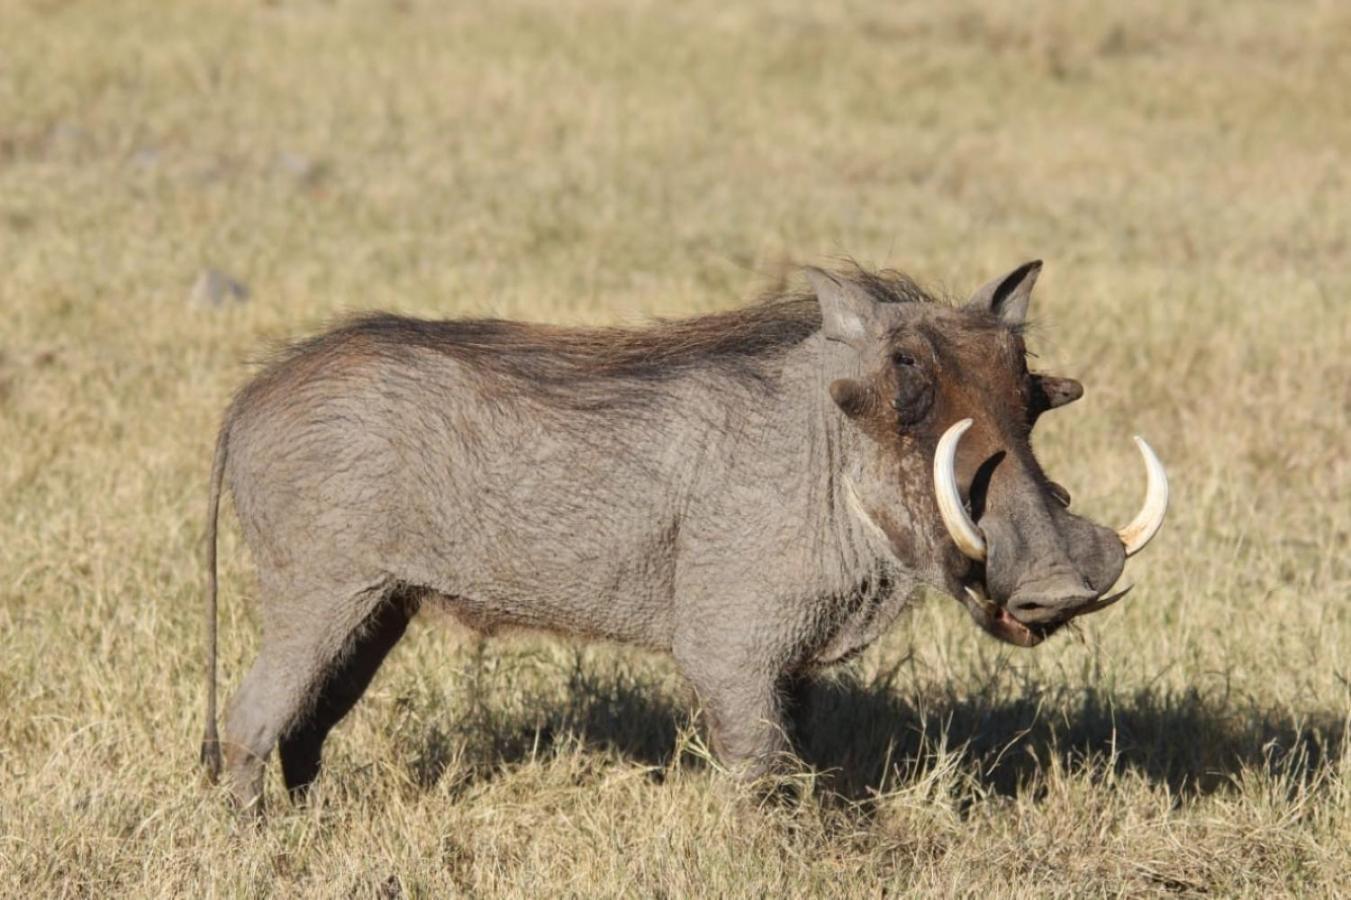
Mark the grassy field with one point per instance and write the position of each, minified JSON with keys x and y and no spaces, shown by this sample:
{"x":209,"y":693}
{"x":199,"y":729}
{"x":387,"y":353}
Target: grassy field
{"x":1185,"y":170}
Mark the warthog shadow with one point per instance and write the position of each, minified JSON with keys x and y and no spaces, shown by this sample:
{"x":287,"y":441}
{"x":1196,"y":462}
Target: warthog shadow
{"x":868,"y":736}
{"x":600,"y":711}
{"x":862,"y":736}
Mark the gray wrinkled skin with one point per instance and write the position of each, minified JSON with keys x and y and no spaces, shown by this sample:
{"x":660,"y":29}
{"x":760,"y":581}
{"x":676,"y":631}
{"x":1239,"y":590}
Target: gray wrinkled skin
{"x":696,"y":504}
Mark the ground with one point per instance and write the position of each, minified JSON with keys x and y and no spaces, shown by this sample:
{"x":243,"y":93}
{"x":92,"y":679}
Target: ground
{"x":1183,"y":170}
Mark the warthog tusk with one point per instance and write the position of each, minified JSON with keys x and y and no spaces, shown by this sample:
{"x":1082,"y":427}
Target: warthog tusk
{"x":976,"y":599}
{"x":967,"y":536}
{"x":1147,"y":522}
{"x":1101,"y":603}
{"x":964,"y":532}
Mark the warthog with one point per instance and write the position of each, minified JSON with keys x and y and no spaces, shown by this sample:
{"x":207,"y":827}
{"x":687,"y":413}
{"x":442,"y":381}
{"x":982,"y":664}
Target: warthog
{"x":757,"y":492}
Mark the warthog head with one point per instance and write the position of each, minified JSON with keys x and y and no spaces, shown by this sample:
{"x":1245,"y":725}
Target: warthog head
{"x":946,"y":405}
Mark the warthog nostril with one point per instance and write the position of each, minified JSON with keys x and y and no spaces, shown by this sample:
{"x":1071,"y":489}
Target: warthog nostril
{"x":1050,"y":599}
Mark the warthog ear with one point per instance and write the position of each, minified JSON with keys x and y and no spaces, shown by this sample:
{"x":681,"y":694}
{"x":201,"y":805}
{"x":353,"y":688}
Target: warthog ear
{"x":1007,"y":297}
{"x":848,"y":312}
{"x":1052,"y":392}
{"x":851,"y":396}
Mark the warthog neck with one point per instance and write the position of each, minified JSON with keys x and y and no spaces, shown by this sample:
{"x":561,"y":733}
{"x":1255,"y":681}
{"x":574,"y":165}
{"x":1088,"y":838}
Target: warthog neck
{"x":821,"y":508}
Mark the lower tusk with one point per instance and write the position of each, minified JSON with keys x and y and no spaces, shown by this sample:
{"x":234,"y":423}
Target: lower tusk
{"x":1147,"y":522}
{"x":1101,"y":603}
{"x":976,"y":599}
{"x":964,"y":532}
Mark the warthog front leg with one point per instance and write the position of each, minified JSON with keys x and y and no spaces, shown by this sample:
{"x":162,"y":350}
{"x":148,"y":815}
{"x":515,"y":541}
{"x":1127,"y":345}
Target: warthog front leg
{"x":741,"y":703}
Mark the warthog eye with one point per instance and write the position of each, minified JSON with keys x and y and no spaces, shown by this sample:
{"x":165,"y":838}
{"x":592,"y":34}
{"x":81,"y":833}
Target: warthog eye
{"x":914,"y":391}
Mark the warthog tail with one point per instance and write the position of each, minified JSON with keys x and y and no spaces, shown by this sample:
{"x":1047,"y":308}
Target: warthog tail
{"x":211,"y":757}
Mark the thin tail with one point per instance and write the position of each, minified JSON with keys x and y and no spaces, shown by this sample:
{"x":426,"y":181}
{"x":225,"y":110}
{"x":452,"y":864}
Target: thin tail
{"x":211,"y":757}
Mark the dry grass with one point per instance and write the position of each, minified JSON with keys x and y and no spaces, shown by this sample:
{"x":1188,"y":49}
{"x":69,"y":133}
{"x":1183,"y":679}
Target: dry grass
{"x":1183,"y":168}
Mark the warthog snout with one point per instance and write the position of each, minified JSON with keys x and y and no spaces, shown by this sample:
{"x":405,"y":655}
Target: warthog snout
{"x":1043,"y":565}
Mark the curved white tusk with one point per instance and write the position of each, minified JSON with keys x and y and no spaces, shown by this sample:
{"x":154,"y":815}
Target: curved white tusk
{"x":1147,"y":522}
{"x":964,"y":532}
{"x":1101,"y":603}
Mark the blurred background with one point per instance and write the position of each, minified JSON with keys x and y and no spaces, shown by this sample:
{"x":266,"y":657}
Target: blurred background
{"x":182,"y":185}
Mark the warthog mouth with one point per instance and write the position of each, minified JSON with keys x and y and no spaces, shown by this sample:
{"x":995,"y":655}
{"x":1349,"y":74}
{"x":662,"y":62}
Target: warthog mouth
{"x":999,"y":622}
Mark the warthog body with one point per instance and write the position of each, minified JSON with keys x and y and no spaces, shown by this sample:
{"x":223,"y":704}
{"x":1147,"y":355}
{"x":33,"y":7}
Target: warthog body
{"x":749,"y":491}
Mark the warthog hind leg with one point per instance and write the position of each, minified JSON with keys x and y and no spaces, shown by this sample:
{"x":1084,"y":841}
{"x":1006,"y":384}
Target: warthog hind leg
{"x":306,"y":638}
{"x":301,"y":746}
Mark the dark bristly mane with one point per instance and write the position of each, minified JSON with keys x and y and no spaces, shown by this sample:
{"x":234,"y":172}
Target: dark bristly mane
{"x":560,"y":360}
